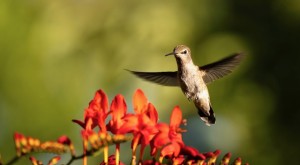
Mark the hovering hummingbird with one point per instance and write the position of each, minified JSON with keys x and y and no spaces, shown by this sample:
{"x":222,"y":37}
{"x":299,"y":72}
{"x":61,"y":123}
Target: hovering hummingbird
{"x":193,"y":79}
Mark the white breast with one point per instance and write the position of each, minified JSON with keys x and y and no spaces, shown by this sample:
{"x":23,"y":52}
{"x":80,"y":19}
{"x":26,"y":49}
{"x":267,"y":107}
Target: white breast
{"x":191,"y":81}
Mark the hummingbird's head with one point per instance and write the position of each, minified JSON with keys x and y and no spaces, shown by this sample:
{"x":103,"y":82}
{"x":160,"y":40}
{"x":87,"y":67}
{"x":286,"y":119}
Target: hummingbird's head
{"x":182,"y":53}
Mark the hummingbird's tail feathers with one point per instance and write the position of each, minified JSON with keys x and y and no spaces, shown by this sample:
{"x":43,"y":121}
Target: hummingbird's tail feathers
{"x":207,"y":118}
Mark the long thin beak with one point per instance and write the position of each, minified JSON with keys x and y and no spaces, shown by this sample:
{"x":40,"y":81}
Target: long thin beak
{"x":172,"y":53}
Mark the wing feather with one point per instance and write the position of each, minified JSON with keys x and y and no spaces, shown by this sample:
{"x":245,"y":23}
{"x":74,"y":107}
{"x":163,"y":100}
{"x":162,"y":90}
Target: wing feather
{"x":162,"y":78}
{"x":221,"y":68}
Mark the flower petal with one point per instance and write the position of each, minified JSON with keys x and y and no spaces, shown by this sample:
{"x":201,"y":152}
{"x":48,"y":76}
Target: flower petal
{"x":103,"y":101}
{"x":140,"y":102}
{"x":191,"y":152}
{"x":176,"y":117}
{"x":152,"y":113}
{"x":162,"y":138}
{"x":118,"y":110}
{"x":172,"y":149}
{"x":118,"y":107}
{"x":82,"y":124}
{"x":130,"y":124}
{"x":100,"y":102}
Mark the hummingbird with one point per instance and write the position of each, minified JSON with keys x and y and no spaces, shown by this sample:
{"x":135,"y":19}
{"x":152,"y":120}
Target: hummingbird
{"x":193,"y":79}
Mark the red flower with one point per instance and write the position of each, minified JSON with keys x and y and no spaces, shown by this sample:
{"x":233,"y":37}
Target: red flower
{"x":142,"y":124}
{"x":162,"y":137}
{"x":118,"y":110}
{"x":94,"y":115}
{"x":97,"y":112}
{"x":169,"y":137}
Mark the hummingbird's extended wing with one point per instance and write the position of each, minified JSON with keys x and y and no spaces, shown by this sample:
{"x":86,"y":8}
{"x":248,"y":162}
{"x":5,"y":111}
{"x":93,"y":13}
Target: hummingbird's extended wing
{"x":220,"y":68}
{"x":162,"y":78}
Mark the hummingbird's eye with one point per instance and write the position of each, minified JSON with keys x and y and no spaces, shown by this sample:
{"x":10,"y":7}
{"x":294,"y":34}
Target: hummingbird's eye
{"x":184,"y":52}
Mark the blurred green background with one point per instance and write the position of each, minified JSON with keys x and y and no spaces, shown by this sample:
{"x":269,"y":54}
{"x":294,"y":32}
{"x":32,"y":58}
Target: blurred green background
{"x":55,"y":54}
